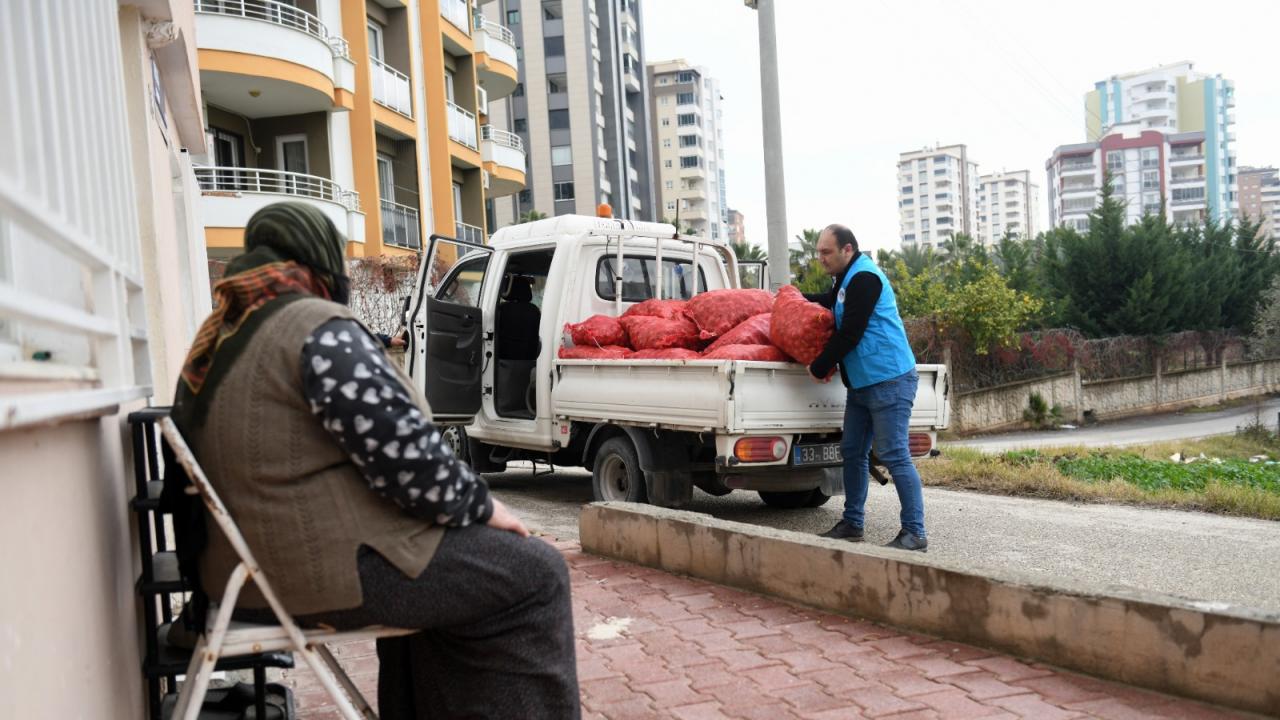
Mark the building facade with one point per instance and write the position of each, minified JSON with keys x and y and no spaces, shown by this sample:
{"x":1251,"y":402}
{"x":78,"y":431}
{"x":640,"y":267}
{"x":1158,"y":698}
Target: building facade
{"x":1175,"y":99}
{"x":1008,"y":202}
{"x":1251,"y":181}
{"x":1269,"y":206}
{"x":580,"y":109}
{"x":375,"y":111}
{"x":103,"y":279}
{"x":937,"y":195}
{"x":688,"y":147}
{"x":1150,"y":171}
{"x":737,"y":228}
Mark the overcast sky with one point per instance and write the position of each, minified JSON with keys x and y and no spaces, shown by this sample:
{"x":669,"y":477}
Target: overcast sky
{"x":863,"y":81}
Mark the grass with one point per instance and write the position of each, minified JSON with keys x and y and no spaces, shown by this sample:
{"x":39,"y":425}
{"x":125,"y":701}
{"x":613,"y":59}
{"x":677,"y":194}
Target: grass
{"x":1135,"y":475}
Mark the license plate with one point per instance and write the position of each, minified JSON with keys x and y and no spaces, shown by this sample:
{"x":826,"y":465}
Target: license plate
{"x":822,"y":454}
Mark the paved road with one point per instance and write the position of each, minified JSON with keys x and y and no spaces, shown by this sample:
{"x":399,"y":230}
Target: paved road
{"x":1196,"y":556}
{"x":1135,"y":431}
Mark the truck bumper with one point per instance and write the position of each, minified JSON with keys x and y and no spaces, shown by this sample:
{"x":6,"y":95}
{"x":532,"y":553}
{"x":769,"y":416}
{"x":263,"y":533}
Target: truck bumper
{"x":784,"y":479}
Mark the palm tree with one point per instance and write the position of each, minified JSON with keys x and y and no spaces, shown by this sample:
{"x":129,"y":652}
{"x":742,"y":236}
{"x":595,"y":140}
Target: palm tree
{"x":747,"y":251}
{"x":808,"y":251}
{"x":531,"y":216}
{"x":918,"y":259}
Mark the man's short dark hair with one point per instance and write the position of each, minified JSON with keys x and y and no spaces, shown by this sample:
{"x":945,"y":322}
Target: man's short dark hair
{"x":843,"y":235}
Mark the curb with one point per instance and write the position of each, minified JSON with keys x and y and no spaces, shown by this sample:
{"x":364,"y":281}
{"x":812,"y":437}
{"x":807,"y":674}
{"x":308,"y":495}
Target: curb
{"x":1229,"y":657}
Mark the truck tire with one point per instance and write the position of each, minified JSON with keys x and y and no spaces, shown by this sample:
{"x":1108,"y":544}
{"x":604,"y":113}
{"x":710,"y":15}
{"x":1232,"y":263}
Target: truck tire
{"x":794,"y":499}
{"x":616,"y":473}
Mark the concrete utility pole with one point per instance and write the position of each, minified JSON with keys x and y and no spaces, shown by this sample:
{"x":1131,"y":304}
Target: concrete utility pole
{"x":771,"y":118}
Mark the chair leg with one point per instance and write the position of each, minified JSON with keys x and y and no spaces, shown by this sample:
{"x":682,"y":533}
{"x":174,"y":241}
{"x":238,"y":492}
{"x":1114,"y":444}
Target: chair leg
{"x":260,"y":692}
{"x":331,"y":685}
{"x":188,"y":696}
{"x":366,"y":710}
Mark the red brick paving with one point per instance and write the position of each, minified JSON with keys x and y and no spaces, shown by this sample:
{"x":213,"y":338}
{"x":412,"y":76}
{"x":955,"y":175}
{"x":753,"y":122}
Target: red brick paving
{"x":699,"y":651}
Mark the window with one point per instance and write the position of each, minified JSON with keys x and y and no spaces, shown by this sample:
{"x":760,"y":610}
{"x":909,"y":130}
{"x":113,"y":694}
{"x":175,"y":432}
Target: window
{"x":940,"y":159}
{"x":526,"y":196}
{"x":1150,"y":157}
{"x":685,"y":98}
{"x":666,"y":163}
{"x":513,"y":17}
{"x":684,"y":77}
{"x":689,"y":161}
{"x":666,"y":122}
{"x":386,"y":180}
{"x":519,"y":92}
{"x":908,"y":201}
{"x":558,"y":119}
{"x":690,"y":141}
{"x":375,"y":40}
{"x":664,"y":81}
{"x":1115,"y":161}
{"x":942,"y":196}
{"x":564,"y":191}
{"x":561,"y":155}
{"x":909,"y":238}
{"x":671,"y":205}
{"x":639,"y":279}
{"x":940,"y":171}
{"x":463,"y":285}
{"x":907,"y":189}
{"x":924,"y":224}
{"x":666,"y":142}
{"x":922,"y":163}
{"x":668,"y":185}
{"x":686,"y":119}
{"x":665,"y":100}
{"x":520,"y":125}
{"x":553,"y":46}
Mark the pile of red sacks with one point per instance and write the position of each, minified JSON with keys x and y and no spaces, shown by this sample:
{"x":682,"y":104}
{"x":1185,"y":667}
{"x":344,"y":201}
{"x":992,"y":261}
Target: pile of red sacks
{"x":715,"y":325}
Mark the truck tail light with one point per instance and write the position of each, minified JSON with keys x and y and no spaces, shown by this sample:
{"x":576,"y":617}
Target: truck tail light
{"x":760,"y":449}
{"x":920,"y":444}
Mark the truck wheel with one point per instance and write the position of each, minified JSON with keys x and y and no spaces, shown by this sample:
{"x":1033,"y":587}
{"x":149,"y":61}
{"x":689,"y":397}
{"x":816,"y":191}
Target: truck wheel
{"x":616,"y":474}
{"x":794,"y":499}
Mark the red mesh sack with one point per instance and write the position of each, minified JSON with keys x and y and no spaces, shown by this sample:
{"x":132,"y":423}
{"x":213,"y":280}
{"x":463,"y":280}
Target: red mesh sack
{"x":670,"y":309}
{"x":752,"y":331}
{"x":768,"y":353}
{"x":716,"y":312}
{"x":597,"y":331}
{"x":590,"y":352}
{"x":798,"y":327}
{"x":667,"y":354}
{"x":655,"y":333}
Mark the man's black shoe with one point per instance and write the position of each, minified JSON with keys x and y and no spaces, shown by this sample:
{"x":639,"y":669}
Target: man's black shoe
{"x":844,"y":531}
{"x":907,"y":541}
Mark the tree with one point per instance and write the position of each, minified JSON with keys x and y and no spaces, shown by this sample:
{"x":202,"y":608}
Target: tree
{"x":1264,"y":340}
{"x":531,"y":216}
{"x":970,"y":298}
{"x":806,"y":274}
{"x":747,"y":251}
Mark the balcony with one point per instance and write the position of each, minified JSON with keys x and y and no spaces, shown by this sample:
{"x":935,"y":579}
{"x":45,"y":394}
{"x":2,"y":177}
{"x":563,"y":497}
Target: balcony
{"x":469,"y":233}
{"x":400,"y":226}
{"x":391,"y":88}
{"x":1186,"y":179}
{"x":231,"y":195}
{"x":1183,"y":158}
{"x":457,"y":13}
{"x":1078,"y":189}
{"x":288,"y":46}
{"x":462,"y":126}
{"x":504,"y":159}
{"x":497,"y":63}
{"x":1075,"y":168}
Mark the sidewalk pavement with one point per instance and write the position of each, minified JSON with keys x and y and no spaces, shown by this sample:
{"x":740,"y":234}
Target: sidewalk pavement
{"x":655,"y":645}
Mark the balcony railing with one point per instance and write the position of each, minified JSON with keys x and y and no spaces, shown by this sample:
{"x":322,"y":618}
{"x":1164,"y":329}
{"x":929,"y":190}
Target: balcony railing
{"x":391,"y":88}
{"x":278,"y":13}
{"x":469,"y":233}
{"x":501,"y":137}
{"x":275,"y":182}
{"x":1177,"y":157}
{"x":400,"y":226}
{"x":494,"y":30}
{"x":1187,"y":179}
{"x":1075,"y":166}
{"x":457,"y":13}
{"x":462,"y":126}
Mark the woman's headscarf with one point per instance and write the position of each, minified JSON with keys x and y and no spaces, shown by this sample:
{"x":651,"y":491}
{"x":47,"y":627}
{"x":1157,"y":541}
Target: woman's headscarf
{"x":292,"y":250}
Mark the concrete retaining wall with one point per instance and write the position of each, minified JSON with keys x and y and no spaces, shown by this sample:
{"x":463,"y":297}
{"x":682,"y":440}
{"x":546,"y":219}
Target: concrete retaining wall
{"x":1001,"y":408}
{"x":1152,"y":641}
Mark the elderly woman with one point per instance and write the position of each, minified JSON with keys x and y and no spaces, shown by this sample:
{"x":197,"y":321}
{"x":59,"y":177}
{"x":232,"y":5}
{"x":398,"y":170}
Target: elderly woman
{"x":326,"y":457}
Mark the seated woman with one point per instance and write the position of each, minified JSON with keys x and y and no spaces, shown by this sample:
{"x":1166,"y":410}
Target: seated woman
{"x":326,"y":457}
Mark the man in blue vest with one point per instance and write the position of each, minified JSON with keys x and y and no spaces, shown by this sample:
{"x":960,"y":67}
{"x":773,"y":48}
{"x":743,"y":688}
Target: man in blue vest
{"x":878,"y":368}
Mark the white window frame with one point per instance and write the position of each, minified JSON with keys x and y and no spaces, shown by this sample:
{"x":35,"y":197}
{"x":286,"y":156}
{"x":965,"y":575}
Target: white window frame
{"x":377,"y":48}
{"x":282,"y":140}
{"x":386,"y":161}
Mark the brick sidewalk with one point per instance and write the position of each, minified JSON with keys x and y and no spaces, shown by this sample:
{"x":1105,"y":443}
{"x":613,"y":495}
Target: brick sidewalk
{"x":689,"y":649}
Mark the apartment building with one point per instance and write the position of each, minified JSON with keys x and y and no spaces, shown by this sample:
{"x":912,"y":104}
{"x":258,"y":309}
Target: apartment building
{"x":1269,"y":206}
{"x":103,"y":279}
{"x":375,"y":111}
{"x":1251,"y":181}
{"x":1008,"y":202}
{"x":688,"y":147}
{"x":937,"y":195}
{"x":581,"y":108}
{"x":1150,"y":170}
{"x":1175,"y":99}
{"x":737,"y":228}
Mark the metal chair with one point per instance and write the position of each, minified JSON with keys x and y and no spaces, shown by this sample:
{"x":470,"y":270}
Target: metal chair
{"x":225,"y":638}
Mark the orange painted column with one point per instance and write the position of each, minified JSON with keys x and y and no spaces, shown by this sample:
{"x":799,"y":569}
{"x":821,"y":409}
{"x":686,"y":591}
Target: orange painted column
{"x":364,"y":156}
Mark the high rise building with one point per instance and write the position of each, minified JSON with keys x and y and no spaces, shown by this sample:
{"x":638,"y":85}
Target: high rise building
{"x":688,"y":147}
{"x":375,"y":112}
{"x":1270,"y":208}
{"x":737,"y":230}
{"x":1251,"y":180}
{"x":937,"y":195}
{"x":1175,"y":99}
{"x":1008,"y":202}
{"x":581,"y":108}
{"x":1150,"y":170}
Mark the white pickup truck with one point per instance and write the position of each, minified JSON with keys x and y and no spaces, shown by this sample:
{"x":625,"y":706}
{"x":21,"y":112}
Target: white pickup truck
{"x":486,"y":325}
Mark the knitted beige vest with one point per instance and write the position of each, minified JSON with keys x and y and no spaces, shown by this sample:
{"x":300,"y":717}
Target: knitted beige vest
{"x":303,"y":507}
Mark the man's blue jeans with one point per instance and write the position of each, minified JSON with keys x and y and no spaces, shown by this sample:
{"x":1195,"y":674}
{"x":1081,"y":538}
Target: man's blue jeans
{"x":881,"y":412}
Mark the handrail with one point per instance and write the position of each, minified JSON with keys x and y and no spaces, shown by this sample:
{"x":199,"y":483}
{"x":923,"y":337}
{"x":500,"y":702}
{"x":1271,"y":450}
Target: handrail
{"x":278,"y":13}
{"x":456,"y":11}
{"x":276,"y":182}
{"x":400,"y":225}
{"x":501,"y":137}
{"x":394,"y":94}
{"x":495,"y":30}
{"x":462,"y":125}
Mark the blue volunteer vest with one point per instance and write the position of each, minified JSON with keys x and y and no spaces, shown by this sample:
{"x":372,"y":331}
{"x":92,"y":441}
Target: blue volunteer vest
{"x":883,"y":353}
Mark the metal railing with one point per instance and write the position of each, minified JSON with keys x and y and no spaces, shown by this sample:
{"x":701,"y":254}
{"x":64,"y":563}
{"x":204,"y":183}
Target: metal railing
{"x":277,"y":13}
{"x":462,"y":126}
{"x":1176,"y":157}
{"x":469,"y":233}
{"x":275,"y":182}
{"x":1187,"y":179}
{"x":391,"y":88}
{"x":1069,"y":167}
{"x":494,"y":30}
{"x":457,"y":13}
{"x":400,"y":226}
{"x":501,"y":137}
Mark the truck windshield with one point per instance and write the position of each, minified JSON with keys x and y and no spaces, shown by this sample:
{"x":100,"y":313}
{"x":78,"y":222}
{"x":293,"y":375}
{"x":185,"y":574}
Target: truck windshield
{"x":639,"y":279}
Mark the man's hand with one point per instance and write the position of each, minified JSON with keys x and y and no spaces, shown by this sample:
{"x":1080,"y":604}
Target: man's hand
{"x":504,"y":519}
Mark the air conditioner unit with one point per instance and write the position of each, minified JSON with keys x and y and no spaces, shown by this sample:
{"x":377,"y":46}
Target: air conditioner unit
{"x":482,"y":100}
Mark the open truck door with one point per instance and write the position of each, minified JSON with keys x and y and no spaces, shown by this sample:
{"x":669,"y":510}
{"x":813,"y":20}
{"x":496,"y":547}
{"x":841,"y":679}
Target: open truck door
{"x":446,"y":328}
